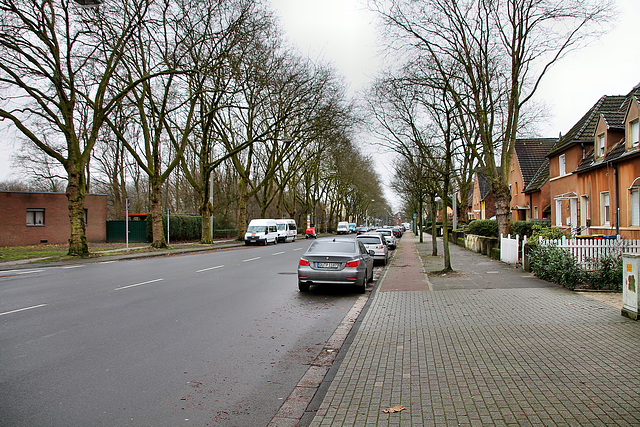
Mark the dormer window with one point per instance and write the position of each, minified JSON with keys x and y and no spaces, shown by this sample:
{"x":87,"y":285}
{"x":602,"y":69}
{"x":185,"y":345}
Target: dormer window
{"x":600,"y":146}
{"x":562,"y":165}
{"x":634,"y":127}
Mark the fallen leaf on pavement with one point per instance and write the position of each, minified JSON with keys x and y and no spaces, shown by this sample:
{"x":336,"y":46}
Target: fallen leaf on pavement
{"x":396,"y":408}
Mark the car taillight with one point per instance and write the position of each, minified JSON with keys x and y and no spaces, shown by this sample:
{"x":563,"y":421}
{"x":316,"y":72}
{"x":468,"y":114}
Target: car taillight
{"x":353,"y":263}
{"x":304,"y":262}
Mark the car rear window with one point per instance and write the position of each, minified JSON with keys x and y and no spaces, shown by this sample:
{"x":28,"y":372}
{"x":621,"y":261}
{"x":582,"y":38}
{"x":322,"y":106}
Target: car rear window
{"x":317,"y":246}
{"x":369,"y":240}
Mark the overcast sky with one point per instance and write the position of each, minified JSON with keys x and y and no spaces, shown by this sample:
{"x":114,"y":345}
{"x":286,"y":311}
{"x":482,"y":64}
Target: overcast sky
{"x":344,"y":33}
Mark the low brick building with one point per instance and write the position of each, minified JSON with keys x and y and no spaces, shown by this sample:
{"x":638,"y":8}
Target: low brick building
{"x":34,"y":218}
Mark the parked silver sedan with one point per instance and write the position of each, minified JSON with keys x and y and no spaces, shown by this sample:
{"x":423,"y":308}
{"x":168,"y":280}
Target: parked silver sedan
{"x":375,"y":242}
{"x":342,"y":261}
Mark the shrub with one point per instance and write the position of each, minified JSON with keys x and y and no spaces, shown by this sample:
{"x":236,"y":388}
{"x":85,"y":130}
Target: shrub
{"x":542,"y":232}
{"x":556,"y":265}
{"x":483,"y":227}
{"x":523,"y":228}
{"x":608,"y":276}
{"x":182,"y":227}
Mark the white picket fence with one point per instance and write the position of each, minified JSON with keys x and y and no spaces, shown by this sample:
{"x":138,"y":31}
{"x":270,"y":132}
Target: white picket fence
{"x":588,"y":251}
{"x":510,"y":249}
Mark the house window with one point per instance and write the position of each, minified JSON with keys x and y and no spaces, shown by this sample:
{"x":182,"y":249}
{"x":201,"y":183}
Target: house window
{"x":606,"y":209}
{"x":558,"y":213}
{"x":635,"y":206}
{"x":35,"y":217}
{"x":535,"y":212}
{"x":86,"y":216}
{"x":635,"y":133}
{"x":600,"y":146}
{"x":562,"y":165}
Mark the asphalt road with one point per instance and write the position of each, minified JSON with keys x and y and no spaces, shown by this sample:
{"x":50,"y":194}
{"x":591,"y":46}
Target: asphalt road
{"x":219,"y":338}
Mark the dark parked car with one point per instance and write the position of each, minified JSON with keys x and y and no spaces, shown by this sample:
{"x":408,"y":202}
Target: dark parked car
{"x":339,"y":261}
{"x":361,"y":230}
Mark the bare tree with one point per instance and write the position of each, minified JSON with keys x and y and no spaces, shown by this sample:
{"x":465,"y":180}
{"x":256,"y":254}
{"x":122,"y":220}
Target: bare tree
{"x":52,"y":62}
{"x":504,"y":49}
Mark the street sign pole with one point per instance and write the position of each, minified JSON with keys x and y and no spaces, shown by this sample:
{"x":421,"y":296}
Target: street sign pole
{"x":126,"y":222}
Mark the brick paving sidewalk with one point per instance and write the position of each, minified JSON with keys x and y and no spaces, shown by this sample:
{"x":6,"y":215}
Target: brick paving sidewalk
{"x":486,"y":345}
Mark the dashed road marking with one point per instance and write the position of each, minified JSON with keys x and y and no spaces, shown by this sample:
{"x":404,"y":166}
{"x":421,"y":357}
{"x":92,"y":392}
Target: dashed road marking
{"x":22,"y":309}
{"x":138,"y":284}
{"x":210,"y":268}
{"x":251,"y":259}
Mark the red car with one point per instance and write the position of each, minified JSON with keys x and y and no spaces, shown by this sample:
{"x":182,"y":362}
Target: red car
{"x":310,"y":233}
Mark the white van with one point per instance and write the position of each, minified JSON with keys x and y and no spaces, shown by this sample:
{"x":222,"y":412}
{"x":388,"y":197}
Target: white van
{"x":343,"y":227}
{"x":261,"y":231}
{"x":287,"y":230}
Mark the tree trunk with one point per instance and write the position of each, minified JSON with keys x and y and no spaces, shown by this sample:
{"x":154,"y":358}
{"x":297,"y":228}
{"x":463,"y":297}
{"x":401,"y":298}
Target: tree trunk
{"x":445,"y":237}
{"x":503,"y":202}
{"x":75,"y":196}
{"x":242,"y":208}
{"x":434,"y":227}
{"x":156,"y":214}
{"x":206,"y":211}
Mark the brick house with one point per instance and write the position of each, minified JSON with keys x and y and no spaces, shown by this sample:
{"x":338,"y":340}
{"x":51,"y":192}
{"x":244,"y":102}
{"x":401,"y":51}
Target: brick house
{"x":538,"y":192}
{"x":529,"y":155}
{"x":565,"y":157}
{"x":34,"y":218}
{"x":483,"y":203}
{"x":609,"y":176}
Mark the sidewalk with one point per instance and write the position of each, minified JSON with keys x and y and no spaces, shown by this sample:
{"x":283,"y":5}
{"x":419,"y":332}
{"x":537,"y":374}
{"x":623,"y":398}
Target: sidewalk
{"x":486,"y":345}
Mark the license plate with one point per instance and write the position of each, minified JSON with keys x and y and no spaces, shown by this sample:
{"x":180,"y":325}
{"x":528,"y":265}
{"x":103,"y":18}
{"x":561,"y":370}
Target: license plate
{"x":328,"y":265}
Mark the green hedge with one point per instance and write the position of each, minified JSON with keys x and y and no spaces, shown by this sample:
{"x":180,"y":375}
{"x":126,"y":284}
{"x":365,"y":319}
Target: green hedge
{"x":182,"y":227}
{"x":483,"y":227}
{"x":185,"y":228}
{"x":558,"y":266}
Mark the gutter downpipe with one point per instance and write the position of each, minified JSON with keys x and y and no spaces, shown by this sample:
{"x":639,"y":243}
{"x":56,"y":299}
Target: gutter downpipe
{"x":615,"y":183}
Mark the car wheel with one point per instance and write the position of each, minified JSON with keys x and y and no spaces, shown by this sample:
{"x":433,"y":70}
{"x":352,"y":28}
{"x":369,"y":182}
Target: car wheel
{"x":370,"y":277}
{"x":303,"y":287}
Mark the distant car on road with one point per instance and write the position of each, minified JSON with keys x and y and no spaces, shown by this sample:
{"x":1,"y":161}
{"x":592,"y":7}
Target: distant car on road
{"x":361,"y":230}
{"x":375,"y":242}
{"x":310,"y":233}
{"x":287,"y":230}
{"x":332,"y":260}
{"x":343,"y":227}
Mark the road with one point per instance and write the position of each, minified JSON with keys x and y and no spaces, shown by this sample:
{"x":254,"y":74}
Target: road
{"x":219,"y":338}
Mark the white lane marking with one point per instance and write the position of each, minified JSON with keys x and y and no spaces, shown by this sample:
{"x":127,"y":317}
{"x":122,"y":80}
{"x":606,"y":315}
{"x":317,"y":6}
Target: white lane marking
{"x":15,"y":272}
{"x":138,"y":284}
{"x":22,"y":309}
{"x":72,"y":266}
{"x":278,"y":253}
{"x":210,"y":268}
{"x":251,"y":259}
{"x":297,"y":249}
{"x":106,"y":262}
